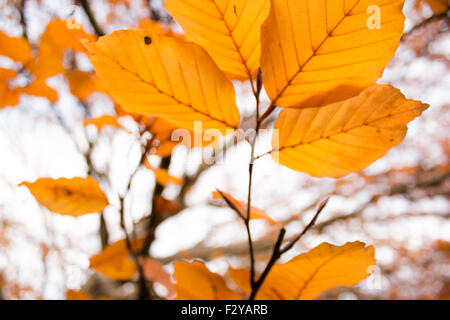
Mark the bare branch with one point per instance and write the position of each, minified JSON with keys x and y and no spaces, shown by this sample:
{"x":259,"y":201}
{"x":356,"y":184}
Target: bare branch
{"x":308,"y":226}
{"x":87,"y":9}
{"x":424,"y":23}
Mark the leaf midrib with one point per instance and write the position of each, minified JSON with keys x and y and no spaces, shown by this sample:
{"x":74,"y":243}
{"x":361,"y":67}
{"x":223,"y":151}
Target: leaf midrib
{"x":346,"y":15}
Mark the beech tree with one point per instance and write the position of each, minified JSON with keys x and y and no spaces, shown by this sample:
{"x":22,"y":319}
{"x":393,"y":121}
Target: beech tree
{"x":210,"y":77}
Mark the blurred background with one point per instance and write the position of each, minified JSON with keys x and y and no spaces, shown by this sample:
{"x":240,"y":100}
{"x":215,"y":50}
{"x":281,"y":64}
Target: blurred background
{"x":400,"y":204}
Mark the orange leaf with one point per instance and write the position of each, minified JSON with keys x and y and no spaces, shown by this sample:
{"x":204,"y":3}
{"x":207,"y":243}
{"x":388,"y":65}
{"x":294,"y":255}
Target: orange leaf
{"x":164,"y":205}
{"x":82,"y":84}
{"x":74,"y":197}
{"x":196,"y":282}
{"x":115,"y":262}
{"x":255,"y":213}
{"x":77,"y":295}
{"x":100,"y":122}
{"x":151,"y":74}
{"x":229,"y":30}
{"x":344,"y":137}
{"x":18,"y":49}
{"x":8,"y":96}
{"x":154,"y":271}
{"x":39,"y":88}
{"x":54,"y":42}
{"x":316,"y":52}
{"x":309,"y":274}
{"x":162,"y":176}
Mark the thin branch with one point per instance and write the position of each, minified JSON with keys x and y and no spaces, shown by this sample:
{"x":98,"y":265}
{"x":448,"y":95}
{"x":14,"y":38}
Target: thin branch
{"x":426,"y":22}
{"x":87,"y":9}
{"x":256,"y":93}
{"x":278,"y":251}
{"x":268,"y":112}
{"x":154,"y":15}
{"x":154,"y":221}
{"x":273,"y":259}
{"x":263,"y":154}
{"x":143,"y":292}
{"x":305,"y":230}
{"x":232,"y":205}
{"x":23,"y":20}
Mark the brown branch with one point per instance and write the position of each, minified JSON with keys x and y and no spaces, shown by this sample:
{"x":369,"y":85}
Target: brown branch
{"x":276,"y":253}
{"x":87,"y":9}
{"x":154,"y":15}
{"x":232,"y":206}
{"x":154,"y":221}
{"x":308,"y":226}
{"x":143,"y":292}
{"x":256,"y":93}
{"x":424,"y":23}
{"x":23,"y":21}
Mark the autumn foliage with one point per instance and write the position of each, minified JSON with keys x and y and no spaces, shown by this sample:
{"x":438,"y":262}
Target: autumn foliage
{"x":312,"y":69}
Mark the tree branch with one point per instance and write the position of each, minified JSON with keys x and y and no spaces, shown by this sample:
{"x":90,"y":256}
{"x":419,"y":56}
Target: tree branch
{"x":424,"y":23}
{"x":87,"y":9}
{"x":273,"y":259}
{"x":23,"y":20}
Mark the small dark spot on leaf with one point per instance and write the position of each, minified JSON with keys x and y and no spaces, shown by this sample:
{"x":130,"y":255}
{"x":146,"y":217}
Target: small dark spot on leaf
{"x":147,"y":40}
{"x":235,"y":10}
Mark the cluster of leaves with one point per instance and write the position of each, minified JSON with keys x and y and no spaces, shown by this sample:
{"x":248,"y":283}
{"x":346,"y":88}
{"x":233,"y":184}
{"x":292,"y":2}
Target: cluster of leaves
{"x":322,"y":72}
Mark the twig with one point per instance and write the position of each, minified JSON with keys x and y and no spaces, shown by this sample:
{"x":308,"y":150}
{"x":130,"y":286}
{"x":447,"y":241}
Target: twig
{"x":232,"y":205}
{"x":278,"y":251}
{"x":154,"y":221}
{"x":263,"y":154}
{"x":154,"y":15}
{"x":87,"y":9}
{"x":143,"y":292}
{"x":310,"y":224}
{"x":256,"y":93}
{"x":273,"y":259}
{"x":23,"y":20}
{"x":433,"y":18}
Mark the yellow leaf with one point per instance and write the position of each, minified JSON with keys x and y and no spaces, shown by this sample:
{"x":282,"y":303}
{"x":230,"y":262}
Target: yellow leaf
{"x":100,"y":122}
{"x":196,"y":282}
{"x":18,"y":49}
{"x":151,"y":74}
{"x":115,"y":261}
{"x":344,"y":137}
{"x":82,"y":84}
{"x":74,"y":197}
{"x":316,"y":52}
{"x":308,"y":275}
{"x":255,"y":213}
{"x":229,"y":30}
